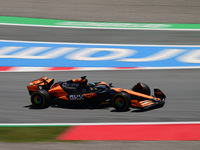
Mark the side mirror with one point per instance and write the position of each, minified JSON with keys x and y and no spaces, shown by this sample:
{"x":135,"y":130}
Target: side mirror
{"x":83,"y":77}
{"x":110,"y":84}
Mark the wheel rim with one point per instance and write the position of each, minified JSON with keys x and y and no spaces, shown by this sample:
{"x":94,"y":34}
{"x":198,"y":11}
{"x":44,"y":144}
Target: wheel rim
{"x":37,"y":100}
{"x":119,"y":102}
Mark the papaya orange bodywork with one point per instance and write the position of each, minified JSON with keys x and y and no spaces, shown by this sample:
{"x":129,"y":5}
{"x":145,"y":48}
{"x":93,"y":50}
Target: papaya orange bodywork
{"x":64,"y":97}
{"x":135,"y":103}
{"x":90,"y":95}
{"x":138,"y":94}
{"x":34,"y":85}
{"x":78,"y":80}
{"x":118,"y":89}
{"x":57,"y":91}
{"x":32,"y":88}
{"x":103,"y":83}
{"x":142,"y":103}
{"x":41,"y":81}
{"x":146,"y":103}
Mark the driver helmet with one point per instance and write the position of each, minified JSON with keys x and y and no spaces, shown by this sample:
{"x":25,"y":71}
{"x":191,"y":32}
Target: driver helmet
{"x":92,"y":86}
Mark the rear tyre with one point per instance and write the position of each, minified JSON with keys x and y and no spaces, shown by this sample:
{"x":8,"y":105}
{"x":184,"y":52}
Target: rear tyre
{"x":142,"y":88}
{"x":41,"y":99}
{"x":121,"y":101}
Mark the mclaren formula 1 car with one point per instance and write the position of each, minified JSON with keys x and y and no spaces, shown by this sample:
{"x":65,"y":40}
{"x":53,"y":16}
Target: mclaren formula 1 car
{"x":78,"y":92}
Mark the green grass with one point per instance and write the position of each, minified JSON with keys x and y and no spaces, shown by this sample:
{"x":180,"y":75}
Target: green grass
{"x":30,"y":134}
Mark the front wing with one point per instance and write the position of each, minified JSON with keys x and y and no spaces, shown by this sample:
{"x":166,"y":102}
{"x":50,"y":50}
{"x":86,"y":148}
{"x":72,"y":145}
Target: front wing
{"x":154,"y":102}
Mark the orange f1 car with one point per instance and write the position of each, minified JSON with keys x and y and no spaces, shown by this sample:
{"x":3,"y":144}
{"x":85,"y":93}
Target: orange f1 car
{"x":78,"y":92}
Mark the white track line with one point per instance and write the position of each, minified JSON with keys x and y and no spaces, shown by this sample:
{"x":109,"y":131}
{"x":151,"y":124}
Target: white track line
{"x":94,"y":124}
{"x":1,"y":40}
{"x":51,"y":26}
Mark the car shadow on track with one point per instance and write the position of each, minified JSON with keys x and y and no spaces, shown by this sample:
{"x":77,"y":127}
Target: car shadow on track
{"x":95,"y":107}
{"x":71,"y":107}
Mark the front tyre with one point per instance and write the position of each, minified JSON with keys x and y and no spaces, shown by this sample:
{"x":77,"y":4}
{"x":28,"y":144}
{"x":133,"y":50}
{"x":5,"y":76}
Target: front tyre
{"x":41,"y":99}
{"x":121,"y":101}
{"x":142,"y":88}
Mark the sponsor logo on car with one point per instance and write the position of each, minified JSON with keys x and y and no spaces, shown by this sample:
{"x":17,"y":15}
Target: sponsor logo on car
{"x":76,"y":97}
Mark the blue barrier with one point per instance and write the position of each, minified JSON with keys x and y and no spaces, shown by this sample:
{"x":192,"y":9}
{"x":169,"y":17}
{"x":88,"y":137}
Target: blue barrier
{"x":41,"y":54}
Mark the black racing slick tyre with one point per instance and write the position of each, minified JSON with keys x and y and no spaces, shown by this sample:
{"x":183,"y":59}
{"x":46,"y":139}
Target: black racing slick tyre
{"x":41,"y":99}
{"x":142,"y":88}
{"x":121,"y":101}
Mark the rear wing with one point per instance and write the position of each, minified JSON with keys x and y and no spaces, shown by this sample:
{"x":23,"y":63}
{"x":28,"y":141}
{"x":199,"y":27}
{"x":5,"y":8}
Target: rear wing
{"x":159,"y":94}
{"x":41,"y":83}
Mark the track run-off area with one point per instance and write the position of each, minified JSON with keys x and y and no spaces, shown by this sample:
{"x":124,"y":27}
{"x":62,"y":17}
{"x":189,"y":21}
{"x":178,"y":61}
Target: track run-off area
{"x":165,"y":58}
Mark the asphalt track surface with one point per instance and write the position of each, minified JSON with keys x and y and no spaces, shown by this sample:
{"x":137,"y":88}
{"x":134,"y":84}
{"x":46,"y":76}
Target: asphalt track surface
{"x":107,"y":36}
{"x":153,"y":11}
{"x":105,"y":145}
{"x":180,"y":86}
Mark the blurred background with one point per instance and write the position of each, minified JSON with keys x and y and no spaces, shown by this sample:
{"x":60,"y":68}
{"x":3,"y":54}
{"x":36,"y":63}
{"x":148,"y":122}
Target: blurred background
{"x":180,"y":86}
{"x":148,"y":11}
